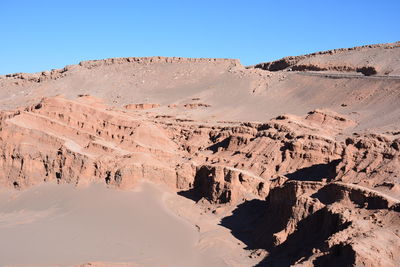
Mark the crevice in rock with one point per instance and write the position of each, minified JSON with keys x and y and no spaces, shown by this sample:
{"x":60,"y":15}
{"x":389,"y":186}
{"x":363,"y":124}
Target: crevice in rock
{"x":108,"y":177}
{"x":316,"y":172}
{"x":338,"y":255}
{"x":311,"y":234}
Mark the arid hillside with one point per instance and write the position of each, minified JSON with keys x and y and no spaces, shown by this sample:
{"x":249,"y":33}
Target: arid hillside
{"x":298,"y":158}
{"x":224,"y":88}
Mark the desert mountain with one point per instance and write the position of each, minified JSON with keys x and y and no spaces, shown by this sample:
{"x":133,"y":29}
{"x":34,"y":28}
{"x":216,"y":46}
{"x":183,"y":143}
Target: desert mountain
{"x":298,"y":158}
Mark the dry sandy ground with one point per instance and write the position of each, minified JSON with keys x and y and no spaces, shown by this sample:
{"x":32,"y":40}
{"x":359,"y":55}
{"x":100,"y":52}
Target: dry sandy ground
{"x":61,"y":225}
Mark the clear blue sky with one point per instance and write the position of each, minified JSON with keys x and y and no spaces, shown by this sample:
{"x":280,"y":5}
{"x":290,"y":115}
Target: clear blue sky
{"x":41,"y":35}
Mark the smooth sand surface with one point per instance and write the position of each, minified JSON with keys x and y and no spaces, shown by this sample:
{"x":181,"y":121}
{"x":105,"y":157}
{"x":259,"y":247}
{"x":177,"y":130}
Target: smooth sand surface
{"x":59,"y":224}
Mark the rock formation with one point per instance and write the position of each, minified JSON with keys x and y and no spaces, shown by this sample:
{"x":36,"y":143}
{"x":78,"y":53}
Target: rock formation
{"x":308,"y":163}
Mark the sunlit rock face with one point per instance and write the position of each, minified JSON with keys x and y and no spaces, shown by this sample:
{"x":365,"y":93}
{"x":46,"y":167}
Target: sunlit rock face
{"x":296,"y":160}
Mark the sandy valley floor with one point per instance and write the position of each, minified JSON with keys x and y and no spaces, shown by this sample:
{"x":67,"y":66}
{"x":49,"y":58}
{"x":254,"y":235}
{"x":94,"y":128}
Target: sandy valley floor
{"x":59,"y":224}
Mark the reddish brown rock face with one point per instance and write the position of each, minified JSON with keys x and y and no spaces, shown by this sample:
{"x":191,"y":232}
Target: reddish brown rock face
{"x":76,"y":142}
{"x":307,"y":163}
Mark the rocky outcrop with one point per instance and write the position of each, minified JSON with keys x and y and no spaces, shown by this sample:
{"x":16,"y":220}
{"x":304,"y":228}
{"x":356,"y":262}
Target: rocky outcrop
{"x":220,"y":185}
{"x":83,"y":140}
{"x":22,"y":78}
{"x":196,"y":105}
{"x":156,"y":60}
{"x":72,"y":142}
{"x":279,"y":147}
{"x":141,"y":106}
{"x":79,"y":141}
{"x":342,"y":60}
{"x":371,"y":160}
{"x":329,"y":231}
